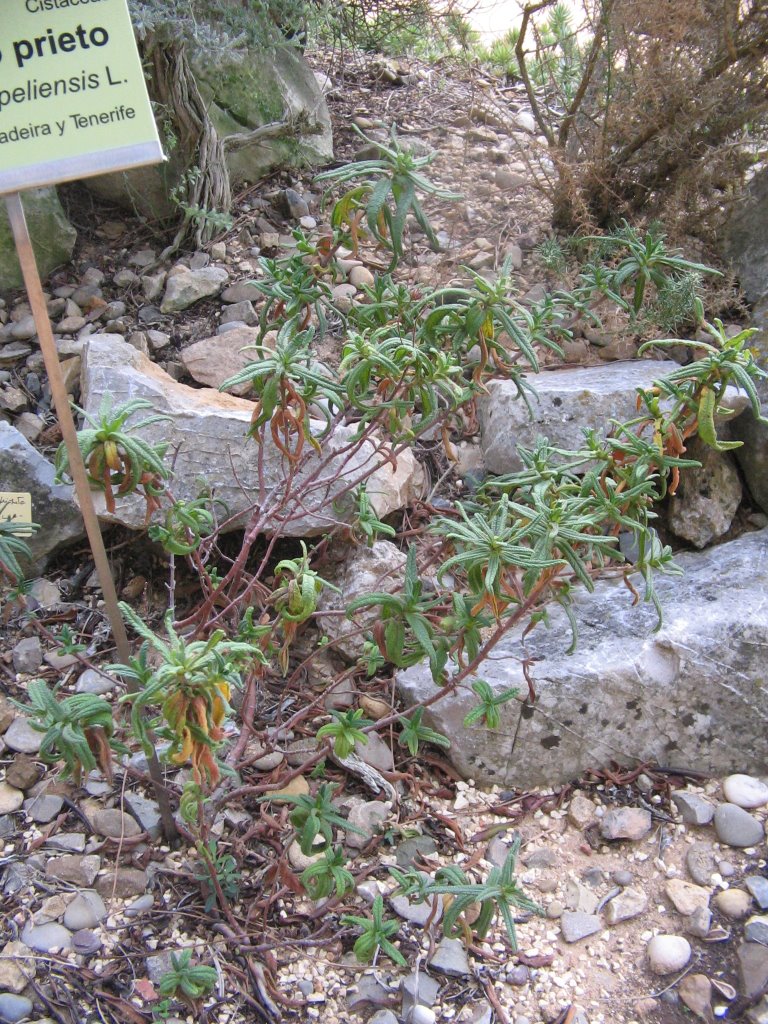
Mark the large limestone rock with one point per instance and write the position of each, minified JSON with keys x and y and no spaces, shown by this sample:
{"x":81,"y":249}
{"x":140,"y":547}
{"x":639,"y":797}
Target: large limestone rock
{"x":24,"y":470}
{"x":207,"y":434}
{"x":244,"y":90}
{"x":693,"y":694}
{"x":566,"y":403}
{"x":53,"y":237}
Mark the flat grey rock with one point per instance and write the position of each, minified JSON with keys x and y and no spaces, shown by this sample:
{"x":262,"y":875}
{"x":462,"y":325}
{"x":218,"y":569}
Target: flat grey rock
{"x":737,"y":827}
{"x":451,"y":958}
{"x":20,"y":736}
{"x":576,"y":925}
{"x":85,"y":911}
{"x":43,"y":808}
{"x":758,"y":886}
{"x":694,"y":809}
{"x":14,"y":1008}
{"x":419,"y":989}
{"x":45,"y":937}
{"x":566,"y":402}
{"x":628,"y":693}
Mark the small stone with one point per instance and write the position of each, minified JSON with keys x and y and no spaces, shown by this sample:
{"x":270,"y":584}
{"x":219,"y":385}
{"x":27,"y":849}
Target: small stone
{"x":44,"y":807}
{"x":125,"y":278}
{"x":140,"y":906}
{"x":519,"y":975}
{"x":698,"y":923}
{"x":243,"y":291}
{"x":45,"y":937}
{"x":240,"y":311}
{"x":368,"y":817}
{"x":343,"y":296}
{"x":628,"y":904}
{"x":555,"y":910}
{"x":756,"y":930}
{"x":16,"y":967}
{"x":376,"y":753}
{"x":67,"y":842}
{"x":733,"y":903}
{"x":417,"y":913}
{"x":297,"y":204}
{"x":579,"y":897}
{"x":86,"y":942}
{"x":383,"y":1017}
{"x":123,"y":882}
{"x":696,"y":992}
{"x":219,"y":251}
{"x":91,"y":681}
{"x":422,"y":1015}
{"x":625,"y":823}
{"x":115,"y":824}
{"x":753,"y":968}
{"x":299,"y":860}
{"x":419,"y":988}
{"x":71,"y":324}
{"x":158,"y":340}
{"x":80,"y":871}
{"x":85,"y":911}
{"x":540,"y":859}
{"x":14,"y":1008}
{"x":361,"y":277}
{"x":622,"y":878}
{"x":700,"y":862}
{"x":694,"y":809}
{"x":581,"y":811}
{"x":11,"y":799}
{"x":52,"y":908}
{"x":576,"y":925}
{"x":415,"y":847}
{"x":736,"y":827}
{"x":22,"y":737}
{"x":686,"y":897}
{"x":147,"y":812}
{"x":451,"y":958}
{"x":30,"y":425}
{"x":745,"y":791}
{"x":28,"y":655}
{"x":758,"y":886}
{"x":183,"y":290}
{"x":667,"y":953}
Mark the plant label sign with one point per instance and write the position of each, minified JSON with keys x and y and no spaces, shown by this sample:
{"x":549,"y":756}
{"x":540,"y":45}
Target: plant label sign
{"x":16,"y":507}
{"x":73,"y":102}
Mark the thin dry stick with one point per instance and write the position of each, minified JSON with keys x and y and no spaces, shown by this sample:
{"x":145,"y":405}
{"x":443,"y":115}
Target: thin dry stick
{"x":60,"y":397}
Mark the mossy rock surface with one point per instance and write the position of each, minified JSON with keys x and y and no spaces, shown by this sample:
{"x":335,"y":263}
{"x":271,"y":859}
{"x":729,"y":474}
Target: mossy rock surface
{"x":53,"y":237}
{"x":244,"y":89}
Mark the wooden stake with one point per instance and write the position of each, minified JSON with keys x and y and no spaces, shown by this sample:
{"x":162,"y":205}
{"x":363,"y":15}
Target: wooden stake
{"x":60,"y":397}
